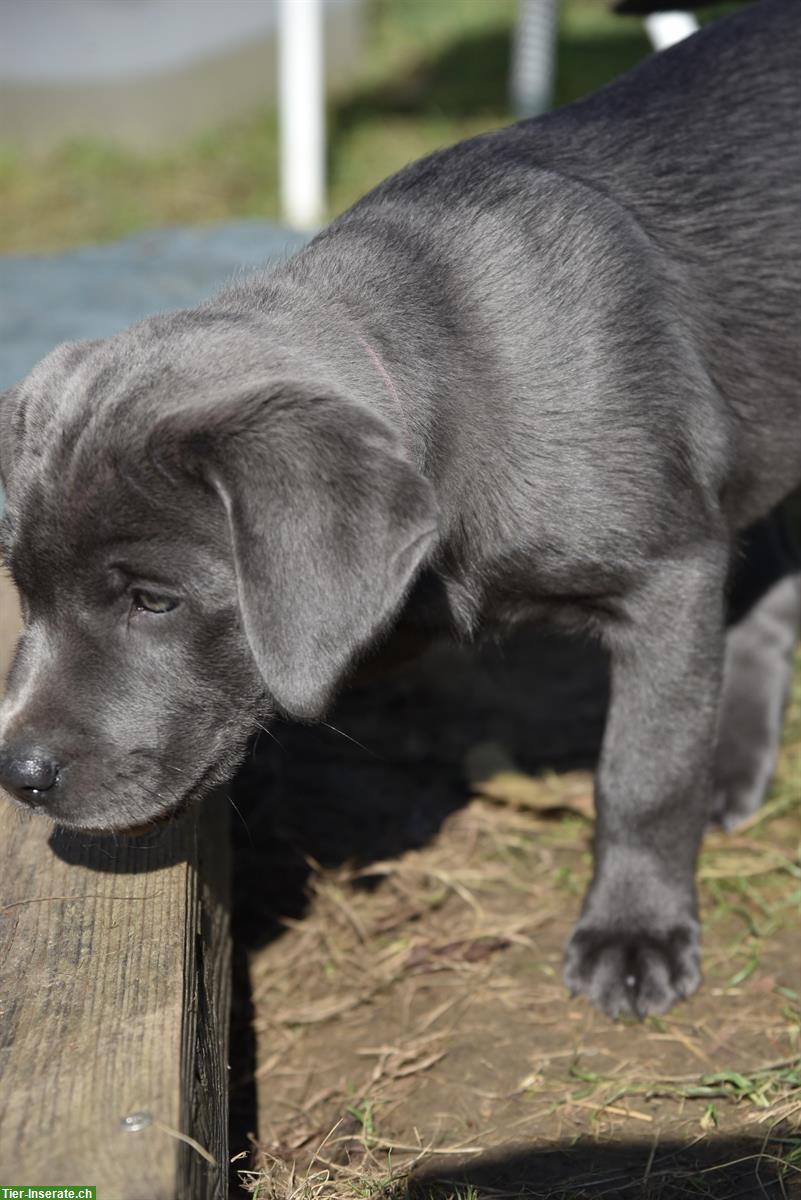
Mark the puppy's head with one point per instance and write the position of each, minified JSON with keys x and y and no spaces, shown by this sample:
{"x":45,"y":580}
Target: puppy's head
{"x":196,"y":544}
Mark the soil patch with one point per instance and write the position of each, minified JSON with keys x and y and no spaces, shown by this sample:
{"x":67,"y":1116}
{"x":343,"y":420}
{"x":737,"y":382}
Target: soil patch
{"x":407,"y":877}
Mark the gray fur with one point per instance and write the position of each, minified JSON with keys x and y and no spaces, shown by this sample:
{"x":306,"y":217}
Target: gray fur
{"x":550,"y":373}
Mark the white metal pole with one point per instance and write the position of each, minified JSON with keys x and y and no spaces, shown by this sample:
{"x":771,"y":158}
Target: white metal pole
{"x":533,"y":57}
{"x":302,"y":112}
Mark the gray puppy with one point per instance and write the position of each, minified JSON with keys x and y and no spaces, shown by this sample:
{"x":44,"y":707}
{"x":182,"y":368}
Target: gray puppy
{"x":551,"y":372}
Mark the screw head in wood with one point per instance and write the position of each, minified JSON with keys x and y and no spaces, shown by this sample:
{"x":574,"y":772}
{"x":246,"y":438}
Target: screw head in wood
{"x":136,"y":1121}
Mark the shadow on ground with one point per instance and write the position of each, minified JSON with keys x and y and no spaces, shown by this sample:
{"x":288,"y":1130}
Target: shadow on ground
{"x":720,"y":1169}
{"x":382,"y":775}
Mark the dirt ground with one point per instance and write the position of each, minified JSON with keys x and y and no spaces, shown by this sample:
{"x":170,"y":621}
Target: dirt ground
{"x":406,"y":878}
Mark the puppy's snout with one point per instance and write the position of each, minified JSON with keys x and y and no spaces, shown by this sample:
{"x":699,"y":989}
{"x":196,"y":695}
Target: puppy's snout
{"x":29,"y":773}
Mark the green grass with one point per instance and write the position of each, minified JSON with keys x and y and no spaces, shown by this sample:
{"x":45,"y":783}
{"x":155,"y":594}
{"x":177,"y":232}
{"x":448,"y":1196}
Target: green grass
{"x":433,"y":71}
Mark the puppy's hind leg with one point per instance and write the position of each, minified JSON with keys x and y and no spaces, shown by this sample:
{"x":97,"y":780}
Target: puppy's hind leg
{"x":758,"y":674}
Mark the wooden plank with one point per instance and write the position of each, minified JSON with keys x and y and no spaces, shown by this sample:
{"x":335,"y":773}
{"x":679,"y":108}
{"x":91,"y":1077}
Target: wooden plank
{"x":114,"y":978}
{"x":10,"y":621}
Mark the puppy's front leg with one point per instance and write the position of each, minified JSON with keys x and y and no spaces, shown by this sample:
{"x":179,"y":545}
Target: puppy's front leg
{"x":636,"y":947}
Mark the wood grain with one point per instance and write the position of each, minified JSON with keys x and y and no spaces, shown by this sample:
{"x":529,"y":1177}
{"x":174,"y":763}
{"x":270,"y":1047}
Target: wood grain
{"x":114,"y":994}
{"x":10,"y":622}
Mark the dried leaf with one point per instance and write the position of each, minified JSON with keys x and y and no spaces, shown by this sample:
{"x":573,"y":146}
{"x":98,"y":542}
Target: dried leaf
{"x":426,"y":957}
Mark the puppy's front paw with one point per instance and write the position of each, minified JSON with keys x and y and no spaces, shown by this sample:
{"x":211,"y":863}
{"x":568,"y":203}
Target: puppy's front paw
{"x":633,"y":972}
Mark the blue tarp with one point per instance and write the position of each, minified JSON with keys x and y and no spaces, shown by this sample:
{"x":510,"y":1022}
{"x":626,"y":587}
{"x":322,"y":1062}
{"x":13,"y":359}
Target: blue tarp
{"x":97,"y":290}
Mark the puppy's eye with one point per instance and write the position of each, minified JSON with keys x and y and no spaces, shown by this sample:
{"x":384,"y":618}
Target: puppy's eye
{"x":142,"y":601}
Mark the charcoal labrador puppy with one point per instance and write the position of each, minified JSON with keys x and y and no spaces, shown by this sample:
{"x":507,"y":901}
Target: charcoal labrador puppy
{"x":549,"y":373}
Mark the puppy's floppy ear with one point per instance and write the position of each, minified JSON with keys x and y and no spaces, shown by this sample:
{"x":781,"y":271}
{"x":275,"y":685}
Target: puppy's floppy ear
{"x":328,"y":523}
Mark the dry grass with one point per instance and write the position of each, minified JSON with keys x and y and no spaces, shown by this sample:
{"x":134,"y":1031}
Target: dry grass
{"x":414,"y":1021}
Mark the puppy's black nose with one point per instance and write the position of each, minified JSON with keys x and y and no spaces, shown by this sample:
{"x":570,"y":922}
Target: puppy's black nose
{"x":29,"y":774}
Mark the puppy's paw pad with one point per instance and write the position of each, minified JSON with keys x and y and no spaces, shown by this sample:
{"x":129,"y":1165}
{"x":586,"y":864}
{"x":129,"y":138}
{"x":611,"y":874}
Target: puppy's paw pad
{"x":633,"y":973}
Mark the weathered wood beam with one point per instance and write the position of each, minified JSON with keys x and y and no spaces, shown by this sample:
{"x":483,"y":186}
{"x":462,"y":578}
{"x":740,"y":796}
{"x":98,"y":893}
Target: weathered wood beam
{"x":114,"y":1003}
